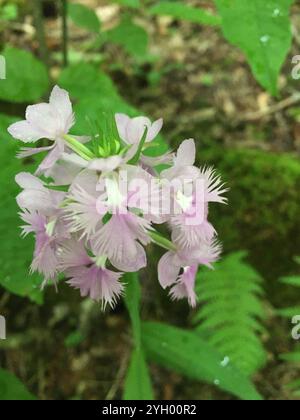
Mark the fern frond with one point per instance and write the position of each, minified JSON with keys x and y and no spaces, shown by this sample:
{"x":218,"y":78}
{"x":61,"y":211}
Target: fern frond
{"x":231,"y":311}
{"x":293,"y":357}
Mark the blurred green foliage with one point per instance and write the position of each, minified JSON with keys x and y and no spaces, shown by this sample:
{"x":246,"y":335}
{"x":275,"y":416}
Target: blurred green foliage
{"x":12,"y":389}
{"x":264,"y":205}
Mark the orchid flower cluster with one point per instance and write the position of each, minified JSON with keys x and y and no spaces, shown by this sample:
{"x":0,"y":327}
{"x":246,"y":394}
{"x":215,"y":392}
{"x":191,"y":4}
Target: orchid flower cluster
{"x":95,"y":203}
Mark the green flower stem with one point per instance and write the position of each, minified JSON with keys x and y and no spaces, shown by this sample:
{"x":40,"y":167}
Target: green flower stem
{"x":161,"y":241}
{"x":137,"y":156}
{"x":79,"y":148}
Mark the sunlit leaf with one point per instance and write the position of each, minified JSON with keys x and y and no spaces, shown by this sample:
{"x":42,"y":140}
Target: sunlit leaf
{"x":262,"y":30}
{"x":84,"y":17}
{"x":26,"y":77}
{"x":190,"y":355}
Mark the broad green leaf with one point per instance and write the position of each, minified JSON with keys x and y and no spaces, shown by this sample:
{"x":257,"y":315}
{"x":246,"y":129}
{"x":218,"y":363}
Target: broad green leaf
{"x":190,"y":355}
{"x":26,"y":77}
{"x":132,"y":301}
{"x":182,"y":11}
{"x":12,"y":389}
{"x":138,"y":383}
{"x":262,"y":30}
{"x":133,"y":38}
{"x":15,"y":252}
{"x":84,"y":17}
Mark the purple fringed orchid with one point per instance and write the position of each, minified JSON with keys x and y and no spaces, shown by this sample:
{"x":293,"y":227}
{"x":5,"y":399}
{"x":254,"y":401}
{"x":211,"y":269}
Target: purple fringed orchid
{"x":102,"y":200}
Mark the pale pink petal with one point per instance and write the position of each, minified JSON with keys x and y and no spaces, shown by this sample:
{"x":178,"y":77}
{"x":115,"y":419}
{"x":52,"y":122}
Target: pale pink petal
{"x":61,"y":104}
{"x":117,"y":239}
{"x":84,"y":213}
{"x":74,"y":159}
{"x":72,"y":254}
{"x":214,"y":187}
{"x":26,"y":132}
{"x":27,"y":180}
{"x":152,"y":161}
{"x":186,"y":153}
{"x":136,"y":128}
{"x":97,"y":283}
{"x":131,"y":265}
{"x":154,"y":130}
{"x":44,"y":119}
{"x":35,"y":222}
{"x":105,"y":165}
{"x":122,"y":121}
{"x":45,"y":259}
{"x":28,"y":151}
{"x":185,"y":286}
{"x":50,"y":159}
{"x":62,"y":173}
{"x":168,"y":269}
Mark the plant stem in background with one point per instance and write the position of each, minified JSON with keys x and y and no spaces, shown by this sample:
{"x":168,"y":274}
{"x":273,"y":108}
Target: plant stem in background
{"x":64,"y":13}
{"x":37,"y":6}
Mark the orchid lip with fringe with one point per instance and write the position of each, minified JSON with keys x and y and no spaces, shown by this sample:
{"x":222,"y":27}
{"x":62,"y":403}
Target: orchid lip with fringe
{"x":92,"y":230}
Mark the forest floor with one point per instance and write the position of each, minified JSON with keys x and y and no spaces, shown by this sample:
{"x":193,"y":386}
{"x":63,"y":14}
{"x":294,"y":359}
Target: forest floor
{"x":203,"y":88}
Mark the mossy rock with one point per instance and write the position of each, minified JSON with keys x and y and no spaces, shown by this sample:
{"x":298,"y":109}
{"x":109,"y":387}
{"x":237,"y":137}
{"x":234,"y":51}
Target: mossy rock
{"x":263,"y":214}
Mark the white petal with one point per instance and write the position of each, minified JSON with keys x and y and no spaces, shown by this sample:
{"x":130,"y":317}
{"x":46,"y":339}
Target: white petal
{"x":168,"y":270}
{"x":122,"y":121}
{"x":25,"y":132}
{"x":60,"y":101}
{"x":44,"y":119}
{"x":26,"y":180}
{"x":186,"y":154}
{"x":154,"y":129}
{"x":135,"y":129}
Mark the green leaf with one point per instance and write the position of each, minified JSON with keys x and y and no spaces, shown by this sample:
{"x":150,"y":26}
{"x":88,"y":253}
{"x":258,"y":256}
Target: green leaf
{"x":184,"y":12}
{"x":138,"y":383}
{"x":262,"y":30}
{"x":9,"y":12}
{"x":231,"y":311}
{"x":26,"y":77}
{"x":190,"y":355}
{"x":15,"y":252}
{"x":11,"y":389}
{"x":133,"y":38}
{"x":84,"y":17}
